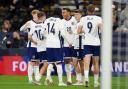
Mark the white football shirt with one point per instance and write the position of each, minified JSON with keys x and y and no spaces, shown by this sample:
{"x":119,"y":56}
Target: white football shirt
{"x":69,"y":28}
{"x":38,"y":34}
{"x":90,"y":25}
{"x":53,"y":27}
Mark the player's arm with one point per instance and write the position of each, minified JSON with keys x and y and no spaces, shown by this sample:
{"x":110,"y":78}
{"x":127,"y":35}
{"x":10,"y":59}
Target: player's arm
{"x":25,"y":26}
{"x":80,"y":27}
{"x":100,"y":25}
{"x":76,"y":29}
{"x":80,"y":30}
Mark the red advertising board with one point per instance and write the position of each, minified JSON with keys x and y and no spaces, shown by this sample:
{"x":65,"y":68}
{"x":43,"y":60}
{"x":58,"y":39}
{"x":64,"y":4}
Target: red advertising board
{"x":14,"y":65}
{"x":17,"y":65}
{"x":1,"y":67}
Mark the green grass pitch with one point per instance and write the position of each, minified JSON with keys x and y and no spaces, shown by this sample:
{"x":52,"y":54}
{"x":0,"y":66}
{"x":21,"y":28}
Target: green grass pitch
{"x":20,"y":82}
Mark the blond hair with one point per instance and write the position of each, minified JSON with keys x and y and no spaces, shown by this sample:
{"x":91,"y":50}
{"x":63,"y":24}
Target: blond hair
{"x":35,"y":11}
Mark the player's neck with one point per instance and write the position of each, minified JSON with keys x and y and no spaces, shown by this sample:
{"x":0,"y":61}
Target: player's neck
{"x":35,"y":20}
{"x":40,"y":21}
{"x":90,"y":13}
{"x":68,"y":18}
{"x":78,"y":20}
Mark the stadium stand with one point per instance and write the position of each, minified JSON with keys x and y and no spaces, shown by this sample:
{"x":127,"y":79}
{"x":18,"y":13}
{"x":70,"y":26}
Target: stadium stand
{"x":14,"y":13}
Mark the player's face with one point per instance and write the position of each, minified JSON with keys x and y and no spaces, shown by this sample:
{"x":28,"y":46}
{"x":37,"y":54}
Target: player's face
{"x":77,"y":16}
{"x":65,"y":14}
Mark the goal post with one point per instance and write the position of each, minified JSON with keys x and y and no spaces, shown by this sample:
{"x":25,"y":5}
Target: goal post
{"x":106,"y":47}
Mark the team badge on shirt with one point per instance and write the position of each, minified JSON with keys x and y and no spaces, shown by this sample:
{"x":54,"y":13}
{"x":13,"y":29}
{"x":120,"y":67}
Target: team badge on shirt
{"x":73,"y":23}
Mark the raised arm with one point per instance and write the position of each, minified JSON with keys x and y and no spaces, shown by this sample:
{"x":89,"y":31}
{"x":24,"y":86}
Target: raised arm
{"x":25,"y":26}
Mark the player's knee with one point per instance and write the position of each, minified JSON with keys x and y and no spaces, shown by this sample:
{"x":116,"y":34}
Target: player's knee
{"x":96,"y":71}
{"x":46,"y":64}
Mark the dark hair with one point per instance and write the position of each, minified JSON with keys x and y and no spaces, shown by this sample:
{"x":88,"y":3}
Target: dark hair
{"x":67,"y":9}
{"x":40,"y":14}
{"x":57,"y":12}
{"x":91,"y":8}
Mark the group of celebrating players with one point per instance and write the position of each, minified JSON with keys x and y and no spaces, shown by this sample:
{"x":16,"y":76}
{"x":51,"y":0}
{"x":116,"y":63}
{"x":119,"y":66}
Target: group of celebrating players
{"x":73,"y":40}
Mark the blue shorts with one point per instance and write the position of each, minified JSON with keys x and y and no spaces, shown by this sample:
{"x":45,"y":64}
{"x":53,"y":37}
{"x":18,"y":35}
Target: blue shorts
{"x":78,"y":53}
{"x":89,"y":49}
{"x":68,"y":52}
{"x":42,"y":56}
{"x":54,"y":54}
{"x":32,"y":54}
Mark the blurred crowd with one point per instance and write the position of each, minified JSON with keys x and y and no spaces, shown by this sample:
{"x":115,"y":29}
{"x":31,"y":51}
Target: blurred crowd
{"x":14,"y":13}
{"x":18,"y":11}
{"x":120,"y":16}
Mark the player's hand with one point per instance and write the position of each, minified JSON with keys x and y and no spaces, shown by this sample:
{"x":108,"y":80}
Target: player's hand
{"x":70,"y":45}
{"x":35,"y":43}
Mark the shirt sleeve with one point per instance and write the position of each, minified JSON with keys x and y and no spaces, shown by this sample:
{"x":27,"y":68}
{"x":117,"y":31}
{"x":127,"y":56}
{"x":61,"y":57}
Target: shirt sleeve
{"x":100,"y":20}
{"x":81,"y":22}
{"x":25,"y":26}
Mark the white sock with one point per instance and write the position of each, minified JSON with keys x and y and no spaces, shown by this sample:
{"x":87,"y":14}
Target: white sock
{"x":96,"y":77}
{"x":36,"y":73}
{"x":68,"y":72}
{"x":83,"y":79}
{"x":30,"y":72}
{"x":78,"y":76}
{"x":86,"y":75}
{"x":49,"y":70}
{"x":60,"y":72}
{"x":40,"y":76}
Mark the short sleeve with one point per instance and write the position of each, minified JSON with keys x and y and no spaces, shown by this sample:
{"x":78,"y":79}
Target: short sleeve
{"x":25,"y":26}
{"x":99,"y":20}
